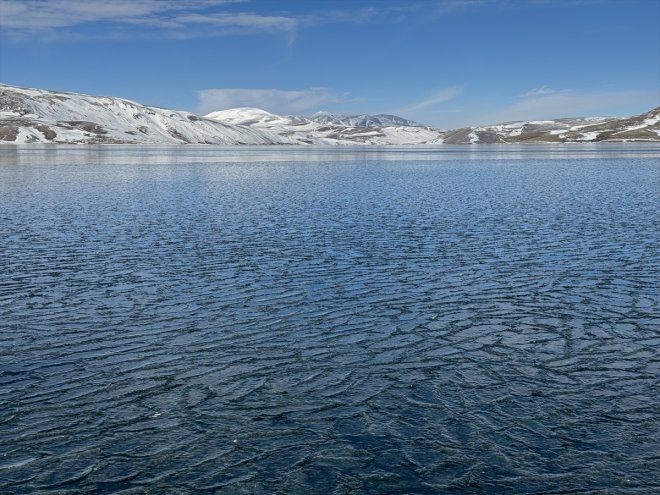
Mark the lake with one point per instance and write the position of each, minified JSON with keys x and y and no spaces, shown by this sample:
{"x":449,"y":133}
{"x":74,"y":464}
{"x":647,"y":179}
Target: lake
{"x":275,"y":320}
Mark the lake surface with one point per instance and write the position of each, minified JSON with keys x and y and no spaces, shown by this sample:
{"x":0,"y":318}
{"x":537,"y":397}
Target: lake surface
{"x":334,"y":321}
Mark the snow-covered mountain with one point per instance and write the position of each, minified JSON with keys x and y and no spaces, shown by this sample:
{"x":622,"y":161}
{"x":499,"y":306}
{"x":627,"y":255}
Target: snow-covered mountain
{"x":325,"y":128}
{"x":363,"y":120}
{"x":38,"y":116}
{"x":645,"y":127}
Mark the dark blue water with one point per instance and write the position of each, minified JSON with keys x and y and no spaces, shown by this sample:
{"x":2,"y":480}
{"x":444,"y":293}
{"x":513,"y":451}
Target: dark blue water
{"x":260,"y":321}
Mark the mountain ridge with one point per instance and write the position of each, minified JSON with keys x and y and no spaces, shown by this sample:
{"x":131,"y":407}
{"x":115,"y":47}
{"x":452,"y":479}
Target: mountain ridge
{"x":326,"y":128}
{"x":29,"y":115}
{"x":364,"y":120}
{"x":33,"y":115}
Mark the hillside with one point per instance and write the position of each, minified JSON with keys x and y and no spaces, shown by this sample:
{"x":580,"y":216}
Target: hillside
{"x":645,"y":127}
{"x":328,"y":129}
{"x":39,"y":116}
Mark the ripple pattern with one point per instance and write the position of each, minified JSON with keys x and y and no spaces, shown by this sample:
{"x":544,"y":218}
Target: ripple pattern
{"x":337,"y":327}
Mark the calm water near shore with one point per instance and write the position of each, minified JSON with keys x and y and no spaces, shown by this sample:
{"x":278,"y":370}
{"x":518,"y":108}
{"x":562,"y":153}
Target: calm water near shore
{"x":272,"y":320}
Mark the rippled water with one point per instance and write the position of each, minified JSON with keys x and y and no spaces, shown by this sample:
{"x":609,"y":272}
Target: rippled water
{"x":194,"y":320}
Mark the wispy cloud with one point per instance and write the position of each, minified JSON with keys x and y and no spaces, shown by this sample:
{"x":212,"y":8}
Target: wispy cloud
{"x":445,"y":7}
{"x":242,"y":19}
{"x":23,"y":17}
{"x":436,"y":98}
{"x":178,"y":18}
{"x":273,"y":100}
{"x":360,"y":15}
{"x":450,"y":6}
{"x":546,"y":103}
{"x":540,"y":92}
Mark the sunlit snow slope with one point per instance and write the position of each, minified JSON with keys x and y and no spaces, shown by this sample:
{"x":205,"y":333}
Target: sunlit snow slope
{"x":645,"y":127}
{"x":324,"y":128}
{"x":38,"y":116}
{"x":33,"y":115}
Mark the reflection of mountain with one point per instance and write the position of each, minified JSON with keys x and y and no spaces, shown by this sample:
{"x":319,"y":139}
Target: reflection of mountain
{"x":31,"y":115}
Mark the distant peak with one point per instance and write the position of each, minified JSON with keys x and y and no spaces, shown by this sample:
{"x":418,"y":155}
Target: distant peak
{"x":363,"y":120}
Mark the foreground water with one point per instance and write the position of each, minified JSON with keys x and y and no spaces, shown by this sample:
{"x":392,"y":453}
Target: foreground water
{"x":197,"y":319}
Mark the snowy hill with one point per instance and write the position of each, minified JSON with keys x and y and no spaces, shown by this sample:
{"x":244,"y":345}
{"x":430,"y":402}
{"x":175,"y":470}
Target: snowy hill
{"x":328,"y":129}
{"x":37,"y":116}
{"x":645,"y":127}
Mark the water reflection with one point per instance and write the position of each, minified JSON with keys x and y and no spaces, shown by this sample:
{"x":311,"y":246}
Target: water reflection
{"x":131,"y":154}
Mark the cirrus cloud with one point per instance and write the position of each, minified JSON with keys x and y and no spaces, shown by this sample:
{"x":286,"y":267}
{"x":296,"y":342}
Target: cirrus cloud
{"x":436,"y":98}
{"x":29,"y":16}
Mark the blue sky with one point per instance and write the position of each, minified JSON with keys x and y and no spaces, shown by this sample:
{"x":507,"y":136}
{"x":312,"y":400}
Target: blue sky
{"x":446,"y":63}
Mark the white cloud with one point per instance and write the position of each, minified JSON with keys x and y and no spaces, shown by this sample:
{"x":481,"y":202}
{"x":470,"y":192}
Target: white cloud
{"x":243,"y":20}
{"x":449,"y":6}
{"x":273,"y":100}
{"x":27,"y":16}
{"x":442,"y":7}
{"x":540,"y":91}
{"x":545,"y":103}
{"x":436,"y":98}
{"x":180,"y":18}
